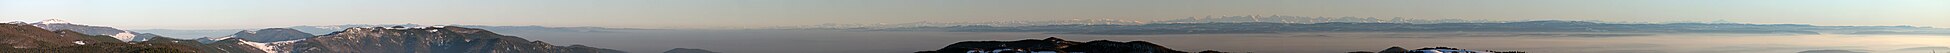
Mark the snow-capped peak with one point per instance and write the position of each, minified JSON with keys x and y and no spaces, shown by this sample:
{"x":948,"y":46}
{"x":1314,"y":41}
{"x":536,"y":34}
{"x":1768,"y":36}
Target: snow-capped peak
{"x":53,"y":21}
{"x":16,"y":22}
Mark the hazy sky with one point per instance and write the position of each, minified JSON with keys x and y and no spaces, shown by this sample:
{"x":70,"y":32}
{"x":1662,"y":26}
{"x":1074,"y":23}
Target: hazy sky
{"x":223,"y":14}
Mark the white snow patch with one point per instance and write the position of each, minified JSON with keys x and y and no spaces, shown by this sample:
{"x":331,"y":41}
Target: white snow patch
{"x":124,"y":36}
{"x":80,"y":43}
{"x":272,"y":47}
{"x":266,"y":47}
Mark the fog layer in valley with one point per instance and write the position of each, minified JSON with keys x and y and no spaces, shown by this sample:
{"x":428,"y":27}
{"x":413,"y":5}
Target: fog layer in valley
{"x":806,"y":41}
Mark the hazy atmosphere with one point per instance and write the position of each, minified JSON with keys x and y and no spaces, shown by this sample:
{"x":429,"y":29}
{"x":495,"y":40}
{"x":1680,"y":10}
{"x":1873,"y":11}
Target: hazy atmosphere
{"x":774,"y":41}
{"x":225,"y":14}
{"x":975,"y":26}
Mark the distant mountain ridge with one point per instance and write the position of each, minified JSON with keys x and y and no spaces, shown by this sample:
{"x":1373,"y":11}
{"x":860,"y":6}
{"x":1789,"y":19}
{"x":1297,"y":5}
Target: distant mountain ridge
{"x":431,"y":39}
{"x":24,"y":38}
{"x":328,"y":28}
{"x":1526,"y":26}
{"x":1057,"y":45}
{"x":58,"y":25}
{"x":61,"y":37}
{"x":1205,"y":19}
{"x":687,"y":50}
{"x":272,"y":35}
{"x":325,"y":29}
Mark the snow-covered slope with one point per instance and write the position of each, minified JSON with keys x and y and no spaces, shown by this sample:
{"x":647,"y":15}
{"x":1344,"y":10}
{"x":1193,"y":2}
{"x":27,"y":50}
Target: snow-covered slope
{"x":271,"y":47}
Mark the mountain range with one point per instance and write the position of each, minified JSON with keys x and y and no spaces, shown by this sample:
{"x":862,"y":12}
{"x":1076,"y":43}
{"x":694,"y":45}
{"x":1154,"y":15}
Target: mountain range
{"x":63,"y":37}
{"x":1206,"y":19}
{"x":433,"y":39}
{"x":687,"y":50}
{"x":1056,"y":45}
{"x":272,"y":34}
{"x":1525,"y":26}
{"x":118,"y":34}
{"x":27,"y":38}
{"x":324,"y":29}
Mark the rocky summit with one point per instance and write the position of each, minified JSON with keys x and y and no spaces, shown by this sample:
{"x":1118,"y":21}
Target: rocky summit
{"x":1056,"y":45}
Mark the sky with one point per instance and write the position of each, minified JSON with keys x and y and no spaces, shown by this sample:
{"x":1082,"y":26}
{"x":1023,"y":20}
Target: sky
{"x":231,"y":14}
